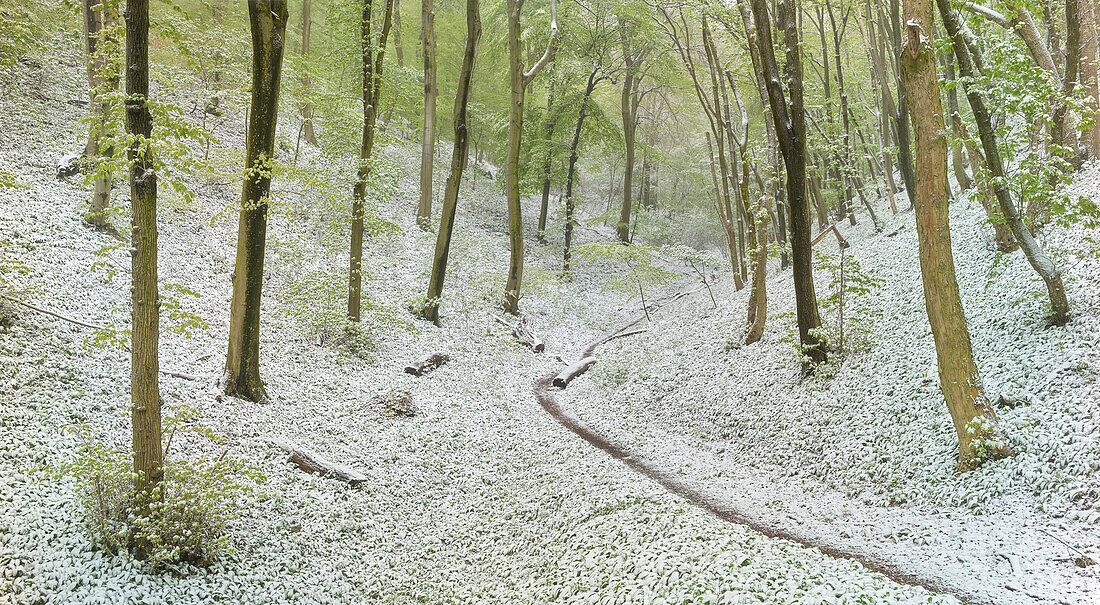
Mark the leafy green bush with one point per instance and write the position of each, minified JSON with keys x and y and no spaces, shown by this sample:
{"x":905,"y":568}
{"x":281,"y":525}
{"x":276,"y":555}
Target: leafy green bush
{"x":184,"y":519}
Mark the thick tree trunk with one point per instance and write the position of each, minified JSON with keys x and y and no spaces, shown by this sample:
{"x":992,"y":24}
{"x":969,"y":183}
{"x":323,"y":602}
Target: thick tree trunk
{"x":901,"y":123}
{"x":145,"y":293}
{"x":459,"y":154}
{"x":99,"y":21}
{"x":959,"y":379}
{"x":427,"y":148}
{"x":307,"y":107}
{"x":790,"y":126}
{"x":268,"y":21}
{"x":374,"y":51}
{"x":518,"y":81}
{"x":970,"y":66}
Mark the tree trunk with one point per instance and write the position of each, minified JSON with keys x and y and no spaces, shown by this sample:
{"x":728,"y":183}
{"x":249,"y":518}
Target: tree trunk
{"x":1091,"y":136}
{"x":790,"y":127}
{"x":970,"y":66}
{"x":846,"y":147}
{"x":427,"y":148}
{"x":374,"y":51}
{"x":548,"y":164}
{"x":1002,"y":234}
{"x":307,"y":107}
{"x":593,"y":80}
{"x":1061,"y":130}
{"x":518,"y":81}
{"x":959,"y":380}
{"x":622,"y":228}
{"x":398,"y":49}
{"x":953,"y":106}
{"x":268,"y":21}
{"x":145,"y":293}
{"x":99,"y":22}
{"x":459,"y":154}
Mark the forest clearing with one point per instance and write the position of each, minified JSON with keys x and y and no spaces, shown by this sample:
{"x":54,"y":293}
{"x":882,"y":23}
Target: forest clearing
{"x":590,"y":301}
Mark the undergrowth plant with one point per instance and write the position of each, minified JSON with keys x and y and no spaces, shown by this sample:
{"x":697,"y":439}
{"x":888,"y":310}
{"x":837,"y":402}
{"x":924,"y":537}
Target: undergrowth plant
{"x":185,"y":518}
{"x":846,"y":318}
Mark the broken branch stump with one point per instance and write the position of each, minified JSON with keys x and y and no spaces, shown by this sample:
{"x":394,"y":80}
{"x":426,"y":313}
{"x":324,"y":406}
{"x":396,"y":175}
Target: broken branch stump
{"x":427,"y":364}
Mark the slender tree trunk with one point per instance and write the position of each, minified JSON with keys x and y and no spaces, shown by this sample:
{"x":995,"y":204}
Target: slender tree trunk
{"x":953,"y":107}
{"x":1062,"y":126}
{"x":458,"y":162}
{"x":960,"y":383}
{"x":268,"y":20}
{"x":307,"y":107}
{"x":374,"y":51}
{"x":145,"y":293}
{"x":593,"y":80}
{"x":629,"y":130}
{"x":518,"y":81}
{"x":427,"y":149}
{"x":398,"y":49}
{"x":846,"y":145}
{"x":99,"y":22}
{"x":970,"y":66}
{"x":1002,"y":234}
{"x":790,"y":126}
{"x":1090,"y":136}
{"x":548,"y":164}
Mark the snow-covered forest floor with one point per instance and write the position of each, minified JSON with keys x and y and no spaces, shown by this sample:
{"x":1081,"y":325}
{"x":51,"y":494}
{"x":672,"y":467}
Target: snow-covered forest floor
{"x":483,"y":497}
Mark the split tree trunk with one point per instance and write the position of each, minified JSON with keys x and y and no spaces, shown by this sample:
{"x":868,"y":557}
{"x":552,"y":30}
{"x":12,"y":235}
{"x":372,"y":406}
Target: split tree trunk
{"x":374,"y":51}
{"x":970,"y":66}
{"x":518,"y":81}
{"x":427,"y":148}
{"x":268,"y":21}
{"x":145,"y":293}
{"x":460,"y":152}
{"x":790,"y":126}
{"x":960,"y":383}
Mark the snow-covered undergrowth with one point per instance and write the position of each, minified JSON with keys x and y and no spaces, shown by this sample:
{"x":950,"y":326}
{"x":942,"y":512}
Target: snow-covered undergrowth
{"x":481,"y":497}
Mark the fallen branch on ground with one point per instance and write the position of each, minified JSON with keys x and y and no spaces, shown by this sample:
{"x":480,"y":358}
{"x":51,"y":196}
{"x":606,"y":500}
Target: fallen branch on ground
{"x":315,"y":464}
{"x":427,"y":364}
{"x":567,"y":375}
{"x":524,"y":333}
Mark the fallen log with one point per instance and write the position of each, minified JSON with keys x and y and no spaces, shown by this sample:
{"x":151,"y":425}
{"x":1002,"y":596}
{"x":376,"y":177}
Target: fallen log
{"x":524,"y":333}
{"x":315,"y":464}
{"x":567,"y":375}
{"x":427,"y":364}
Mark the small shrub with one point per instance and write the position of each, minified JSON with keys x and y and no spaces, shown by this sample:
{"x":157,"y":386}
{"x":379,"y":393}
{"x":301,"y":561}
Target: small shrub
{"x":185,"y":519}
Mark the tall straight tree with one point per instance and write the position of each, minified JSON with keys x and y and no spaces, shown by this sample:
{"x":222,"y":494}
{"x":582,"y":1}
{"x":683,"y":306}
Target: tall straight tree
{"x":631,"y":99}
{"x":518,"y":81}
{"x":427,"y":147}
{"x":268,"y":22}
{"x":374,"y":51}
{"x":790,"y":128}
{"x":100,"y":18}
{"x":459,"y":154}
{"x":307,"y":107}
{"x":959,"y":380}
{"x":970,"y":68}
{"x":145,"y":294}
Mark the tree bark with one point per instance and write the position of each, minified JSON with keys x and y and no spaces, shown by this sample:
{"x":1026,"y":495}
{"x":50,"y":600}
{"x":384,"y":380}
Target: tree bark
{"x":374,"y":51}
{"x":459,"y":154}
{"x":629,"y":107}
{"x":953,"y":107}
{"x":846,"y":146}
{"x":518,"y":81}
{"x":593,"y":79}
{"x":427,"y":148}
{"x":268,"y":22}
{"x":1002,"y":234}
{"x":970,"y":66}
{"x":548,"y":163}
{"x":307,"y":107}
{"x":790,"y":127}
{"x":145,"y":293}
{"x":100,"y":43}
{"x":901,"y":121}
{"x":959,"y":380}
{"x":1091,"y":136}
{"x":1061,"y":129}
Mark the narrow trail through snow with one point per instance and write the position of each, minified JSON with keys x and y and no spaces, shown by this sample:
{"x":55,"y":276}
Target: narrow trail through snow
{"x":895,"y":570}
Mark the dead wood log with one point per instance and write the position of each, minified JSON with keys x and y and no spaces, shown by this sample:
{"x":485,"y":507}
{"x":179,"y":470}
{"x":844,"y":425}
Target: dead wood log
{"x":567,"y":375}
{"x":427,"y":364}
{"x":315,"y":464}
{"x":524,"y":332}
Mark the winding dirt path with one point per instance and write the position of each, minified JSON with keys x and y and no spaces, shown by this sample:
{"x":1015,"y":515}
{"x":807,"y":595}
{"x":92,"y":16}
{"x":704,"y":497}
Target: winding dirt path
{"x":893,"y":568}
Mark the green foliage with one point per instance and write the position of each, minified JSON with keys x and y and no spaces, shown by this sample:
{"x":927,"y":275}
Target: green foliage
{"x":184,"y":519}
{"x":317,"y":301}
{"x":849,"y":285}
{"x":24,"y":26}
{"x":630,"y":266}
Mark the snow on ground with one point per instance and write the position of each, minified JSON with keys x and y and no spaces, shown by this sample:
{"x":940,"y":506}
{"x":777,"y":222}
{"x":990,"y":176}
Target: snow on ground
{"x":864,"y":457}
{"x":480,"y":498}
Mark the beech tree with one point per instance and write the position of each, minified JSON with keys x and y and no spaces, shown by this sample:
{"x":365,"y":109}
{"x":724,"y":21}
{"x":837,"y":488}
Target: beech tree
{"x":374,"y":51}
{"x":144,"y":291}
{"x":960,"y":383}
{"x":427,"y":149}
{"x":307,"y":107}
{"x":101,"y":44}
{"x":518,"y":81}
{"x":459,"y":155}
{"x":790,"y":128}
{"x":633,"y":56}
{"x":268,"y":23}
